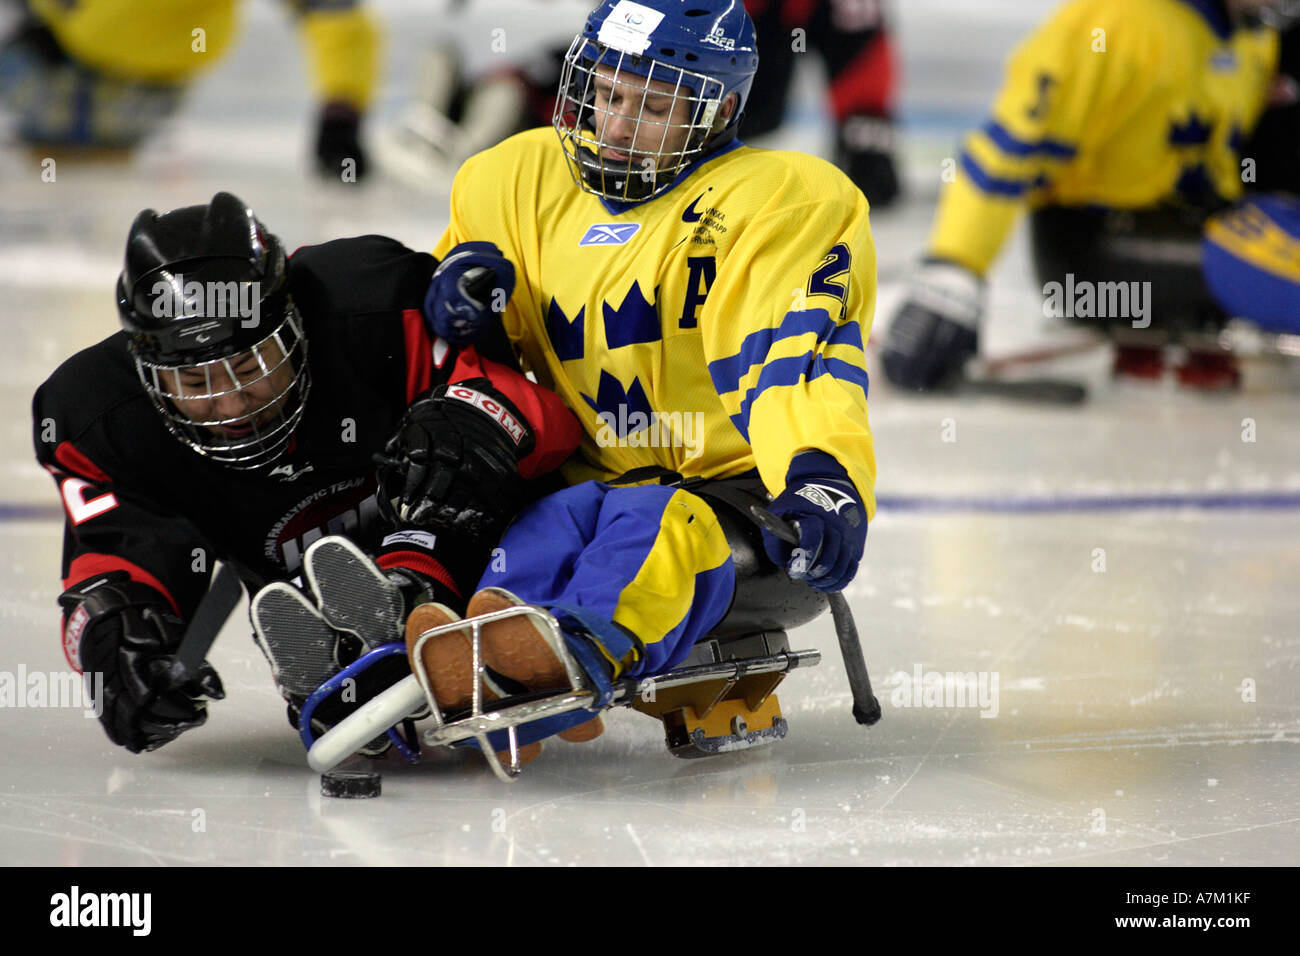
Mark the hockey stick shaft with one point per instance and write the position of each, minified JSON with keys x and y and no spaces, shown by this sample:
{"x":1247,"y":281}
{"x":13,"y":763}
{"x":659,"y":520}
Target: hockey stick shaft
{"x":997,"y":364}
{"x":1044,"y":390}
{"x":212,"y":612}
{"x":866,"y":708}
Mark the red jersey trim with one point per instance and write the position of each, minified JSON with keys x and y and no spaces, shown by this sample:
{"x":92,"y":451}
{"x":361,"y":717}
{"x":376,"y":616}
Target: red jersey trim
{"x":555,"y":429}
{"x":74,"y":460}
{"x":85,"y":566}
{"x":419,"y":353}
{"x":419,"y":562}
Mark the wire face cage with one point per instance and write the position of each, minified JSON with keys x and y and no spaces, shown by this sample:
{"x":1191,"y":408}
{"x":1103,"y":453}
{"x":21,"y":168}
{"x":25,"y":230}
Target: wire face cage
{"x":239,"y":410}
{"x":628,"y":124}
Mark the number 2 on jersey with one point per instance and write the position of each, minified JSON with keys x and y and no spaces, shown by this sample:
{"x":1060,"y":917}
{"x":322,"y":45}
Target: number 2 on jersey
{"x":835,"y":263}
{"x":79,"y":508}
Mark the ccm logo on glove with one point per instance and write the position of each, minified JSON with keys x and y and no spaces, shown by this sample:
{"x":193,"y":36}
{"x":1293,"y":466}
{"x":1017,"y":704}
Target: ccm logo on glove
{"x":490,"y":407}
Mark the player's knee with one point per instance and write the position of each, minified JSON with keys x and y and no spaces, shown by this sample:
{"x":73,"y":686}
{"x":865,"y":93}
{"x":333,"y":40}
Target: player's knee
{"x":765,"y":597}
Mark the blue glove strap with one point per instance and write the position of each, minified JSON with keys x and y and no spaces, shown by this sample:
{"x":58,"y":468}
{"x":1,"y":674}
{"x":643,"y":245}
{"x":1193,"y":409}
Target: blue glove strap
{"x":811,"y":465}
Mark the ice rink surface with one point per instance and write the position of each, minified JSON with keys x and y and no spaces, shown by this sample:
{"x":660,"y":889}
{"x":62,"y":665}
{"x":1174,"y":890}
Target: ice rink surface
{"x":1113,"y":589}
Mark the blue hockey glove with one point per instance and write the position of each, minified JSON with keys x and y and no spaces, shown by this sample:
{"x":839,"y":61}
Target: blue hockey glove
{"x":832,"y":523}
{"x":469,"y":286}
{"x":937,"y":328}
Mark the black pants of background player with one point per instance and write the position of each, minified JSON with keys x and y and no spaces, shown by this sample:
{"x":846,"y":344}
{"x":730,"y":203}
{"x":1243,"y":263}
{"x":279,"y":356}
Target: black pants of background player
{"x":1073,"y":246}
{"x":1275,"y":142}
{"x":851,"y":38}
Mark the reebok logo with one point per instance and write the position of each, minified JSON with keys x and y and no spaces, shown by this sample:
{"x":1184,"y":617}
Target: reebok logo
{"x":609,"y":234}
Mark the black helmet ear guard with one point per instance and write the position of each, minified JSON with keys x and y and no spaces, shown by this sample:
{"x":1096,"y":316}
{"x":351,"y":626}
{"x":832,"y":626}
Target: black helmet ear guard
{"x":203,"y":294}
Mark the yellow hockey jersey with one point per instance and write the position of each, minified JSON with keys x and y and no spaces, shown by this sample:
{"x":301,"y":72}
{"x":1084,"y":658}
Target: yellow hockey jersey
{"x":158,"y":41}
{"x":1117,"y":103}
{"x":713,"y":329}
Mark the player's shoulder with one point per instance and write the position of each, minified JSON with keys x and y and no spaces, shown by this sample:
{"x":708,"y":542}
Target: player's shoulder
{"x":531,"y":148}
{"x":92,"y":380}
{"x":1104,"y":41}
{"x":774,"y":179}
{"x":362,"y":274}
{"x":1105,"y":12}
{"x":94,"y":394}
{"x":1096,"y":27}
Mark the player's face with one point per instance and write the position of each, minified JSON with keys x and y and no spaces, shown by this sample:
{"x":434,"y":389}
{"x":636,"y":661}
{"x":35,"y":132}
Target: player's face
{"x":243,"y":392}
{"x":644,"y":122}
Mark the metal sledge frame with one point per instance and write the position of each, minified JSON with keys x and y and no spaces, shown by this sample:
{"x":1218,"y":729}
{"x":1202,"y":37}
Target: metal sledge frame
{"x":412,"y":694}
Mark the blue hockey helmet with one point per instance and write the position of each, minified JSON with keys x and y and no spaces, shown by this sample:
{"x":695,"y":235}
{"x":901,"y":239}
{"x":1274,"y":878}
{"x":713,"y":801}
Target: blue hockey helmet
{"x":691,"y":57}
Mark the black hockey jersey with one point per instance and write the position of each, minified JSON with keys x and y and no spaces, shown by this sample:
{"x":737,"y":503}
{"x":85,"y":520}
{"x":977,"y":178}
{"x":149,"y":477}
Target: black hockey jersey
{"x":138,"y":500}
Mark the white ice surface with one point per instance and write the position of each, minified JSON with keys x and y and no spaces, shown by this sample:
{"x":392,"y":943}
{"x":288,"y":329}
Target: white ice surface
{"x":1121,"y":734}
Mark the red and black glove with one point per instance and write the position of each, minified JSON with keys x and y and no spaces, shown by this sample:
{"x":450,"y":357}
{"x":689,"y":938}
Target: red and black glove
{"x":129,"y":634}
{"x":453,"y":464}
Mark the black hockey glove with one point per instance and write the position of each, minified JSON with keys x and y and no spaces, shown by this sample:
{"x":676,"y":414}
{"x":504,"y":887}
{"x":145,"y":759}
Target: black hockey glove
{"x":454,"y":463}
{"x":128,"y":633}
{"x":936,"y":330}
{"x":337,"y":141}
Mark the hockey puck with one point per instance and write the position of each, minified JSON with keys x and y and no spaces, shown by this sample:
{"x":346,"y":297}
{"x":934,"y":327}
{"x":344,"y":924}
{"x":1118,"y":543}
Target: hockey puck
{"x":350,"y":784}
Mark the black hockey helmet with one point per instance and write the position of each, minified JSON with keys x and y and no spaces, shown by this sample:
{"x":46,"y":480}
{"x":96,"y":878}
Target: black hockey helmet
{"x":217,"y":340}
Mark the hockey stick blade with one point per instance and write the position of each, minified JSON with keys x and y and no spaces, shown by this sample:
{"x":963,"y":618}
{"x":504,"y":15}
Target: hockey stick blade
{"x":370,"y":720}
{"x":211,"y":614}
{"x":1045,"y":391}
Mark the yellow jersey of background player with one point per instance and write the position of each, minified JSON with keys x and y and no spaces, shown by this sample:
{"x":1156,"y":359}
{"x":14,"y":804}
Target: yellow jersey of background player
{"x":155,"y":40}
{"x":1121,"y":125}
{"x":1119,"y":103}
